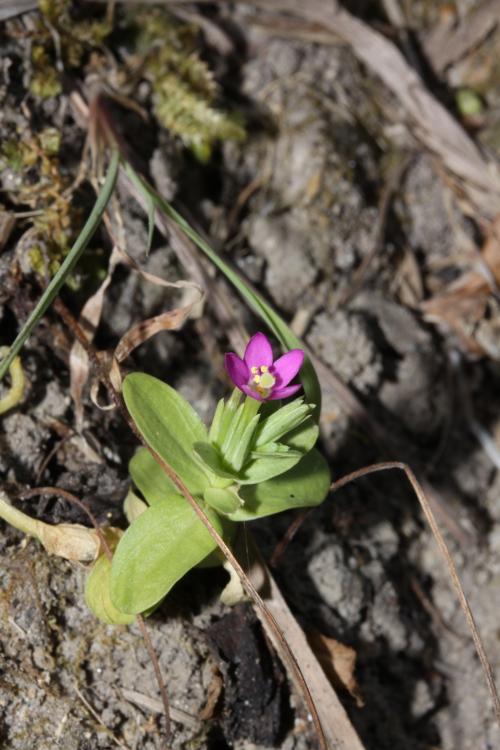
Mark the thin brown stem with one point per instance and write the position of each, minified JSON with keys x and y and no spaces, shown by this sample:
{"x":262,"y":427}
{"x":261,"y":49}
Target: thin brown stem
{"x":443,"y":548}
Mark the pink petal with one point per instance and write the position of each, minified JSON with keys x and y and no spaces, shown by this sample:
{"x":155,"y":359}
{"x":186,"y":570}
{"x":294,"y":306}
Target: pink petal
{"x":289,"y":390}
{"x":236,"y":369}
{"x":286,"y":367}
{"x":250,"y":392}
{"x":258,"y":351}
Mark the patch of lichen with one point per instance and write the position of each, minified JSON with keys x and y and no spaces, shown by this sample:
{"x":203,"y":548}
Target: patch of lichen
{"x":184,"y":89}
{"x":59,"y":42}
{"x":39,"y":185}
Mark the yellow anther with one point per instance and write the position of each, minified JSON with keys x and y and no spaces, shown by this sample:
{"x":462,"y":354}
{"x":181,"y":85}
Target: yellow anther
{"x":262,"y":381}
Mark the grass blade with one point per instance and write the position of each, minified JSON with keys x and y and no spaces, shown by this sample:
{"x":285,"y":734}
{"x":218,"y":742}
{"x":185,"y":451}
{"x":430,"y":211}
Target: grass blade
{"x":68,"y":264}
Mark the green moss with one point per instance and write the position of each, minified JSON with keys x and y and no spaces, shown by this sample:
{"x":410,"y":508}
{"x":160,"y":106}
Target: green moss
{"x":184,"y":89}
{"x":50,"y":141}
{"x":74,"y":38}
{"x":42,"y":188}
{"x":45,"y":81}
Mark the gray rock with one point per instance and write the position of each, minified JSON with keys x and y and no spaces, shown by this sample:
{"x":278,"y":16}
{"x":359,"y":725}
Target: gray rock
{"x":343,"y":341}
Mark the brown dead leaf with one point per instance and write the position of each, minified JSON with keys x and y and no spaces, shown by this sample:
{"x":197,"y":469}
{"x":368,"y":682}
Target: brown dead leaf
{"x":463,"y":304}
{"x":338,"y":662}
{"x":7,"y":223}
{"x":214,"y":693}
{"x":168,"y":321}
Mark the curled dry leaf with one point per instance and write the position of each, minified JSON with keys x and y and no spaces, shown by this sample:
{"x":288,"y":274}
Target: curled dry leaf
{"x":214,"y":692}
{"x":168,"y":321}
{"x":338,"y":662}
{"x":89,"y":320}
{"x":91,"y":314}
{"x":7,"y":224}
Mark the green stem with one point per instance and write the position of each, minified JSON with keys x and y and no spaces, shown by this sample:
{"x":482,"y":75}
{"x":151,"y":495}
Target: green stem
{"x":250,"y":408}
{"x":19,"y":520}
{"x":68,"y":264}
{"x":17,"y":383}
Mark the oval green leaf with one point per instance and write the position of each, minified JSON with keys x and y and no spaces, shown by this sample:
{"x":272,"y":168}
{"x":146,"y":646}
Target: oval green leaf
{"x":306,"y":484}
{"x":149,"y":478}
{"x":266,"y":465}
{"x":169,"y":425}
{"x":97,"y":596}
{"x":165,"y":542}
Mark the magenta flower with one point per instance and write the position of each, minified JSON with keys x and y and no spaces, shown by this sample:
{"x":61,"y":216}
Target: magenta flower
{"x":258,"y":375}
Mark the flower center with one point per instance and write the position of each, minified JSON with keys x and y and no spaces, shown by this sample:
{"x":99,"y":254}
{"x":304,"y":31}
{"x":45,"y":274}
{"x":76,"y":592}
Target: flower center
{"x":262,"y":381}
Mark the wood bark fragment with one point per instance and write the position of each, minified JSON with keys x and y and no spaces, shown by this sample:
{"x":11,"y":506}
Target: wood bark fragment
{"x":339,"y":732}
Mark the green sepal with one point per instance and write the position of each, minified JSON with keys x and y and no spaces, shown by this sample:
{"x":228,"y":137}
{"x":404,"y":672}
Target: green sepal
{"x":169,"y":425}
{"x":97,"y":597}
{"x":241,"y":447}
{"x":223,"y":500}
{"x":274,"y":459}
{"x":160,"y":547}
{"x":225,"y":417}
{"x":215,"y":427}
{"x":269,"y":461}
{"x":306,"y":484}
{"x":282,"y":421}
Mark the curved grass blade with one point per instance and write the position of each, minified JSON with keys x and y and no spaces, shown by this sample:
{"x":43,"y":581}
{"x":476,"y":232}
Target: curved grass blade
{"x":258,"y":304}
{"x":68,"y":264}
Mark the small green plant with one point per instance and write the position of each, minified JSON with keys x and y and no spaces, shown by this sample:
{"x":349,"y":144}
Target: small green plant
{"x":257,"y":458}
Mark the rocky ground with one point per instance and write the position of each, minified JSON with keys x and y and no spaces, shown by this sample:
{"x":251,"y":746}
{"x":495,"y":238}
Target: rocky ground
{"x":347,"y":224}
